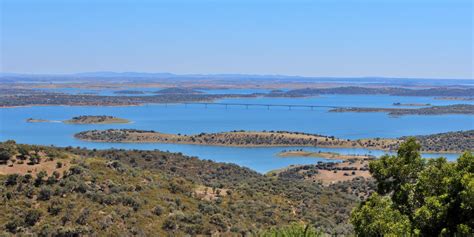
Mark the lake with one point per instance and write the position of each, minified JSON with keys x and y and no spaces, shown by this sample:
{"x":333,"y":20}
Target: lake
{"x":191,"y":119}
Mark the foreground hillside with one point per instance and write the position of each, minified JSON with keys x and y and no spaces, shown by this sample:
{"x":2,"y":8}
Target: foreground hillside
{"x":48,"y":191}
{"x":118,"y":192}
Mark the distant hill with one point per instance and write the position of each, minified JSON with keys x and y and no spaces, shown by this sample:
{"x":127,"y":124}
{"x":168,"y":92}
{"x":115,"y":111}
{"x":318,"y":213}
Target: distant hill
{"x":147,"y":76}
{"x":124,"y":74}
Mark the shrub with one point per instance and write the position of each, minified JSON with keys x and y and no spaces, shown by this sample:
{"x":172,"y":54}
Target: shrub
{"x":31,"y":217}
{"x":44,"y":194}
{"x":11,"y":179}
{"x":55,"y":207}
{"x":158,"y":210}
{"x":293,"y":230}
{"x":4,"y":156}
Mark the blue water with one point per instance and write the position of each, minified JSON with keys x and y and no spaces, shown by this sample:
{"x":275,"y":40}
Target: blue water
{"x":193,"y":119}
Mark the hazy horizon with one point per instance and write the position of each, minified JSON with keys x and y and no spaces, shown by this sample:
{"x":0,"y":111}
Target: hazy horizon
{"x":353,"y":38}
{"x":157,"y":73}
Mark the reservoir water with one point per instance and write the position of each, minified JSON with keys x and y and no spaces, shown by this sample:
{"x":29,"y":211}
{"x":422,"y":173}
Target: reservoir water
{"x":191,"y":119}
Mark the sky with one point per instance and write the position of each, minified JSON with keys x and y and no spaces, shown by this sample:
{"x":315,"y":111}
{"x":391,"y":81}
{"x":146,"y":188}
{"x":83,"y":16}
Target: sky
{"x":344,"y":38}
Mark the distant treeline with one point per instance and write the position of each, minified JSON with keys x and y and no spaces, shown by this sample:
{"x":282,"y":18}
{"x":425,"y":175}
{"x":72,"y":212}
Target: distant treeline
{"x":396,"y":91}
{"x":22,"y":97}
{"x":88,"y":100}
{"x":458,"y":141}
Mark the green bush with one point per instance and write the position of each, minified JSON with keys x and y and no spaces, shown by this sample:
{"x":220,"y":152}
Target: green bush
{"x":293,"y":230}
{"x":417,"y":196}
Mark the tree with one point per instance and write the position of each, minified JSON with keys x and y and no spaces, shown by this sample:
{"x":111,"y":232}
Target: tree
{"x":7,"y":150}
{"x":39,"y":177}
{"x":11,"y":179}
{"x":377,"y":218}
{"x":44,"y":194}
{"x":417,"y":196}
{"x":158,"y":210}
{"x":292,"y":230}
{"x":396,"y":175}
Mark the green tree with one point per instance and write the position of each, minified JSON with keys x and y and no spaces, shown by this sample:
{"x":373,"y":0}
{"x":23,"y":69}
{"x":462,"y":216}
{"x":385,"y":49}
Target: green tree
{"x":396,"y":175}
{"x":427,"y":197}
{"x":7,"y":150}
{"x":377,"y":218}
{"x":292,"y":230}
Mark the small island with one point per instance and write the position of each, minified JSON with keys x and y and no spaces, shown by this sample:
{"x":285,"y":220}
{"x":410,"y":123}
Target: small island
{"x":33,"y":120}
{"x":84,"y":119}
{"x":321,"y":154}
{"x":94,"y":119}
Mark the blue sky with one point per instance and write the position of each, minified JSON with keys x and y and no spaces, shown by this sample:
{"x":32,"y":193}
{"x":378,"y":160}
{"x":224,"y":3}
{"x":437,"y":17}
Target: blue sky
{"x":349,"y":38}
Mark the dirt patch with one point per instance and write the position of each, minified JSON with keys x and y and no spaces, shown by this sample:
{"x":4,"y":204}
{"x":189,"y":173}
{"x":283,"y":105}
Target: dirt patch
{"x":48,"y":166}
{"x":208,"y":193}
{"x":333,"y":176}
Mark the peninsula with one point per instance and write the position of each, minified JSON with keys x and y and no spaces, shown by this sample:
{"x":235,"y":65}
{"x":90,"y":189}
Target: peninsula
{"x":433,"y":110}
{"x":96,"y":119}
{"x":321,"y":154}
{"x":467,"y":98}
{"x":452,"y":142}
{"x":84,"y":119}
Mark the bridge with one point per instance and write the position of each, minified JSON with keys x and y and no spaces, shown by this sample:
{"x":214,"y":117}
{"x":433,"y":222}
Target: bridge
{"x":247,"y":105}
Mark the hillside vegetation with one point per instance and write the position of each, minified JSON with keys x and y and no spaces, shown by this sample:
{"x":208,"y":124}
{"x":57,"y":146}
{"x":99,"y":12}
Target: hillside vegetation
{"x":148,"y":193}
{"x":119,"y":192}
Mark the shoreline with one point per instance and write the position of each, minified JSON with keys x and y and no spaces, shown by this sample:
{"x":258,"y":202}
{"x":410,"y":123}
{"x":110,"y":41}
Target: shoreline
{"x":264,"y":146}
{"x":84,"y":120}
{"x":346,"y":145}
{"x":454,"y":109}
{"x":322,"y":154}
